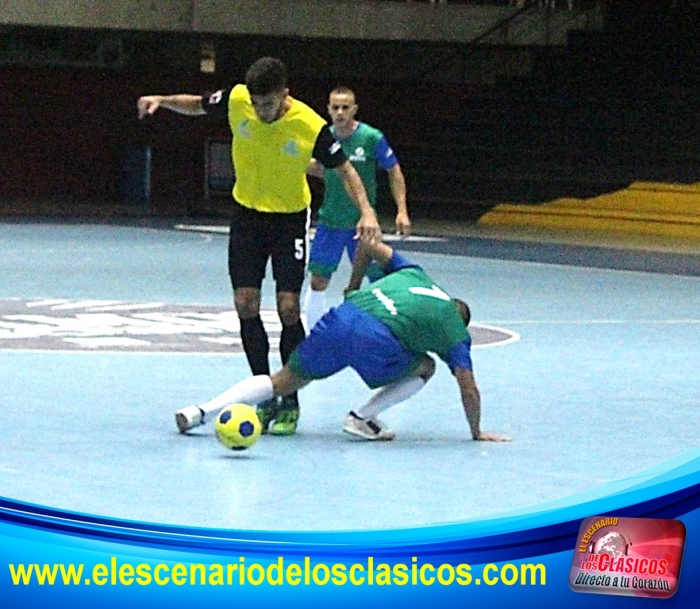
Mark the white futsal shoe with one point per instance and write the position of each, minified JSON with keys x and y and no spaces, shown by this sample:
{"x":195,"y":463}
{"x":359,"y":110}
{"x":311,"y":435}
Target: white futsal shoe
{"x":189,"y":417}
{"x":367,"y":429}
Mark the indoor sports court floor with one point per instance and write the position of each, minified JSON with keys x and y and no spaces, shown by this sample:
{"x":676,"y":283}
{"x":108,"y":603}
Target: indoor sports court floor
{"x":107,"y":329}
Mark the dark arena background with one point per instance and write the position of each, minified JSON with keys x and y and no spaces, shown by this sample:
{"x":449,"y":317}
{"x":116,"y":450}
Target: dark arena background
{"x":552,"y":159}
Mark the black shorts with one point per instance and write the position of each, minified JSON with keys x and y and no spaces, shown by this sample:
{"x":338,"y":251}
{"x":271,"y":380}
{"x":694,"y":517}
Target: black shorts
{"x":257,"y":237}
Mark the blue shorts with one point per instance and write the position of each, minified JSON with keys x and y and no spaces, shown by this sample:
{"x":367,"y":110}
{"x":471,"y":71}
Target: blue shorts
{"x":327,"y":249}
{"x":347,"y":336}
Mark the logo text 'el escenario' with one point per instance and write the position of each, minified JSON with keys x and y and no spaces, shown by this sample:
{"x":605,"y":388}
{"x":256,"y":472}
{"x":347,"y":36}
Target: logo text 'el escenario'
{"x":628,"y":556}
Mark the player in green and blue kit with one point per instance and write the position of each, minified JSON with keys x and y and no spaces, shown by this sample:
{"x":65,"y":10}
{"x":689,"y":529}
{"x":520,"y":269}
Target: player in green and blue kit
{"x":367,"y":149}
{"x":384,"y":331}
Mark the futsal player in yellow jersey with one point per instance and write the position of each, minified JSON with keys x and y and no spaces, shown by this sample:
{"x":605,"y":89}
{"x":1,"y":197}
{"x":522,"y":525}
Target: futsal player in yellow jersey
{"x":274,"y":138}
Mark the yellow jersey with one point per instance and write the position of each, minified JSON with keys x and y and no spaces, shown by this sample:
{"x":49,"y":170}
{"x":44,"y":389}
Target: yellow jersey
{"x":270,"y":159}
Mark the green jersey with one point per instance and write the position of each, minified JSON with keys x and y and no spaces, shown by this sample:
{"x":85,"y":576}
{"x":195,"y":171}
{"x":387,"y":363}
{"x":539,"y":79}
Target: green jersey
{"x":418,"y":312}
{"x":366,"y":149}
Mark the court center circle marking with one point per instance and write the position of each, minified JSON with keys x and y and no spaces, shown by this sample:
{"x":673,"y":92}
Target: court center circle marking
{"x":63,"y":325}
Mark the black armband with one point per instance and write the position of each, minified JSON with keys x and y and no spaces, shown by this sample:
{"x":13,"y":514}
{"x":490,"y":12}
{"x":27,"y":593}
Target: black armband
{"x":327,"y":150}
{"x":216,"y":103}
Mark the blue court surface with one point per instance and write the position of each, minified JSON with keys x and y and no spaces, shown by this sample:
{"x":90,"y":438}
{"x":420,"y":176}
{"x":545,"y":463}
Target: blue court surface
{"x":585,"y":357}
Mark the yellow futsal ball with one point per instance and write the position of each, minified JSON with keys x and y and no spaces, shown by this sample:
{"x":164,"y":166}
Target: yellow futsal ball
{"x":237,"y":426}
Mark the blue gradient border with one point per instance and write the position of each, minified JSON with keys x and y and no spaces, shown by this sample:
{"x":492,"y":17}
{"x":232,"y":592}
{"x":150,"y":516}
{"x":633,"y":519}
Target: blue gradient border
{"x":544,"y":534}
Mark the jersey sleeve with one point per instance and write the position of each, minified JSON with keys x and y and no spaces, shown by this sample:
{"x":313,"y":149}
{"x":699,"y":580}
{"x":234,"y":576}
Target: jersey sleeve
{"x":385,"y":155}
{"x":398,"y":261}
{"x":327,"y":150}
{"x":216,"y":103}
{"x":459,"y":356}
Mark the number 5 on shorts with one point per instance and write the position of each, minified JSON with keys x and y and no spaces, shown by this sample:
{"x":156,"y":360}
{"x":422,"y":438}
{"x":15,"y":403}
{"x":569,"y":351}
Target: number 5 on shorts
{"x":299,"y":249}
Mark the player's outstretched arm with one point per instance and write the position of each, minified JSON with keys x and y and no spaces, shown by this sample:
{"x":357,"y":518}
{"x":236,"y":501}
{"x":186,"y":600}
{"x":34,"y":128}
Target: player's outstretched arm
{"x":397,"y":184}
{"x":367,"y":228}
{"x":366,"y":252}
{"x":181,"y":103}
{"x":471,"y":402}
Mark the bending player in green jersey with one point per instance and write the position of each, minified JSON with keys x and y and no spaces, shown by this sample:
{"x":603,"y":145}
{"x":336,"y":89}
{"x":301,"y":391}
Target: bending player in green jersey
{"x":384,"y":331}
{"x":367,"y":149}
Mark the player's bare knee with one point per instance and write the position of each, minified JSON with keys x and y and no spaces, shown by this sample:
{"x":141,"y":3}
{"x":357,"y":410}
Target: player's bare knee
{"x":319,"y":283}
{"x":289,"y":317}
{"x":247,"y":305}
{"x":288,"y":308}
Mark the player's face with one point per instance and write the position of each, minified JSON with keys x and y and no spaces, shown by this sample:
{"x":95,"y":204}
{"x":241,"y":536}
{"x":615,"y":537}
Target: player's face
{"x":269,"y":107}
{"x":342,"y":109}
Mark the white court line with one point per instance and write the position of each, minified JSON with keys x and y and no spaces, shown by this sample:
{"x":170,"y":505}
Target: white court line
{"x":200,"y":228}
{"x":597,"y":321}
{"x":124,"y":352}
{"x":84,"y":304}
{"x":128,"y":307}
{"x":393,"y":237}
{"x":45,"y":303}
{"x":559,"y":265}
{"x":224,"y":230}
{"x":107,"y":341}
{"x":94,"y":346}
{"x":399,"y":238}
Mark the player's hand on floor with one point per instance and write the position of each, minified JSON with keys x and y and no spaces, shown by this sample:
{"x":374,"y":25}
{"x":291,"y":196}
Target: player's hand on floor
{"x":489,"y":436}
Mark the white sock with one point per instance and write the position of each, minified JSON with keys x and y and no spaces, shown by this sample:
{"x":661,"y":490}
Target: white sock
{"x":315,"y":306}
{"x":252,"y":390}
{"x":391,"y":395}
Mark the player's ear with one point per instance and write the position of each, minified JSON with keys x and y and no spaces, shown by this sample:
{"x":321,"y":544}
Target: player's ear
{"x":464,"y":311}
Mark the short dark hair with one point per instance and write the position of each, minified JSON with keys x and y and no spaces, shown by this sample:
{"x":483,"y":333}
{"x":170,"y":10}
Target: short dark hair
{"x":342,"y":90}
{"x":266,"y":75}
{"x":464,"y":311}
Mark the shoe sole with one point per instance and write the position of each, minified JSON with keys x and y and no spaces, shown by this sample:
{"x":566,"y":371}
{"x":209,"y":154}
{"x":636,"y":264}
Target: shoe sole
{"x":388,"y":437}
{"x":281,"y":432}
{"x":182,"y":423}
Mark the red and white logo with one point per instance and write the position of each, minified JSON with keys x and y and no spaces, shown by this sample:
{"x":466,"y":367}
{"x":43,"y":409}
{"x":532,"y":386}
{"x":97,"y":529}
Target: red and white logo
{"x":628,"y":556}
